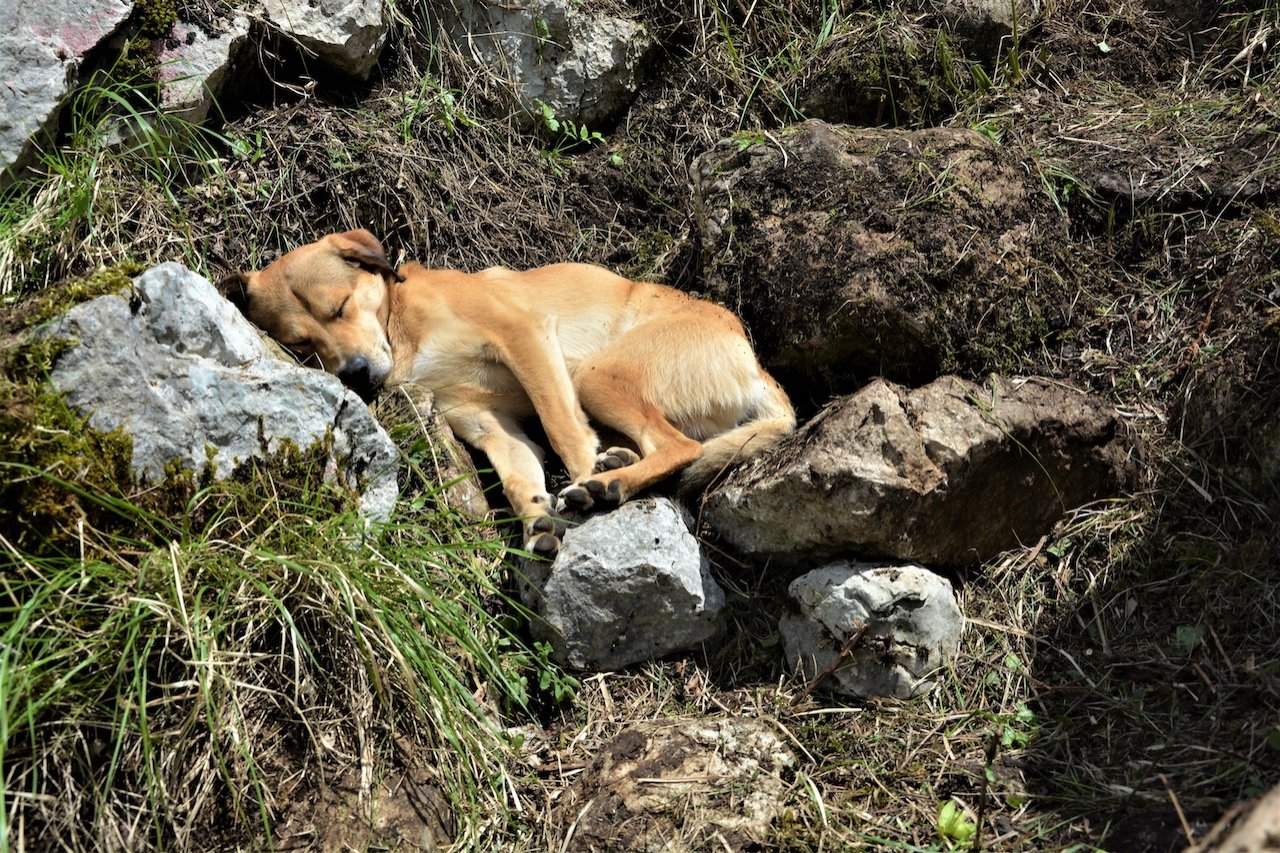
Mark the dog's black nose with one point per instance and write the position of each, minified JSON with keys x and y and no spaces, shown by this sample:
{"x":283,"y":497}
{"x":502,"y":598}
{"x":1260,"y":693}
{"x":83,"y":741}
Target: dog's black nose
{"x":355,"y":375}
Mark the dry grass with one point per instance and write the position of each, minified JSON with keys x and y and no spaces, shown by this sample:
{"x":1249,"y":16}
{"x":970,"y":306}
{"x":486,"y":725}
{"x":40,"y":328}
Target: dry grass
{"x":1119,"y":673}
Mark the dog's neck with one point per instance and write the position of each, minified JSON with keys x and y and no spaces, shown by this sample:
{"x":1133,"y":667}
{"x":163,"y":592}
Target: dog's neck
{"x":403,"y":344}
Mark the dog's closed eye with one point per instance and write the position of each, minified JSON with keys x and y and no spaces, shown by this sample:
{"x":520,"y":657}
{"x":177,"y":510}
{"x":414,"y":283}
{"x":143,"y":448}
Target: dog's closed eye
{"x":342,"y":306}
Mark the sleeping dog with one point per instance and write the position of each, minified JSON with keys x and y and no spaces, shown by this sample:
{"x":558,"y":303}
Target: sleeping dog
{"x":564,"y":343}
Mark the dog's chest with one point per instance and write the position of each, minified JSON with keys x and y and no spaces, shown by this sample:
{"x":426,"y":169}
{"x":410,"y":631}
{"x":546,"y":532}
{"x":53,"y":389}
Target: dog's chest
{"x":446,"y":362}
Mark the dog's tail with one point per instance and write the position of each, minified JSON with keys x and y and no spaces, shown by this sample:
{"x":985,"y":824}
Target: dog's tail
{"x":773,"y":420}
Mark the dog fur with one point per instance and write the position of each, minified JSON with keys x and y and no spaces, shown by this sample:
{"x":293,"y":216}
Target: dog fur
{"x":674,"y":374}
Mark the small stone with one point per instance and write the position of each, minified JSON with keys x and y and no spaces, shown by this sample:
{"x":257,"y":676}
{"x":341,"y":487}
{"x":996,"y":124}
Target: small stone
{"x":627,"y":586}
{"x":913,"y":627}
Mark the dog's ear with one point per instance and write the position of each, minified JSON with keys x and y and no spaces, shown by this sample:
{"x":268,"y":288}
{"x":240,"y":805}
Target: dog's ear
{"x":362,"y":247}
{"x":235,"y":288}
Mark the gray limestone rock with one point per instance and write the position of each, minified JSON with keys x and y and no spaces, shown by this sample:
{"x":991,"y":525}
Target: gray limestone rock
{"x":583,"y":64}
{"x":627,"y":586}
{"x":41,"y":48}
{"x":913,"y":627}
{"x":191,"y":382}
{"x":194,"y":66}
{"x":346,"y":35}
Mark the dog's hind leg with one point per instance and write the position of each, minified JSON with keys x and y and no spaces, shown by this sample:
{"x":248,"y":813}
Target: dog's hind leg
{"x":518,"y":463}
{"x":610,"y":396}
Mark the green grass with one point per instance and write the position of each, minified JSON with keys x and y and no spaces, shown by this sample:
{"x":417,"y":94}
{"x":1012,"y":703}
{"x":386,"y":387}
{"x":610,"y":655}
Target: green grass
{"x":153,"y":688}
{"x":124,"y":173}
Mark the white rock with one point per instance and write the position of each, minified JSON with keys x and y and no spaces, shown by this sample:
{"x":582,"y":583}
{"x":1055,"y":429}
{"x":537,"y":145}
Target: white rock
{"x":585,"y":65}
{"x":190,"y":381}
{"x":627,"y":586}
{"x":913,"y":628}
{"x":347,"y":35}
{"x":41,"y":47}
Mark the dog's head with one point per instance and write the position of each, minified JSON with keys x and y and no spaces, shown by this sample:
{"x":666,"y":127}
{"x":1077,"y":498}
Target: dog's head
{"x":328,"y":303}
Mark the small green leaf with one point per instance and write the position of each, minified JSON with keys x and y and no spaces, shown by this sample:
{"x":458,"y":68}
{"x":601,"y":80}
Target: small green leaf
{"x":1187,"y":637}
{"x":952,"y":824}
{"x":1104,"y":47}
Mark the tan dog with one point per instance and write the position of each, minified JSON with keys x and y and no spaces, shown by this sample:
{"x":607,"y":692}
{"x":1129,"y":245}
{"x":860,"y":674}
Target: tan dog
{"x":674,"y":374}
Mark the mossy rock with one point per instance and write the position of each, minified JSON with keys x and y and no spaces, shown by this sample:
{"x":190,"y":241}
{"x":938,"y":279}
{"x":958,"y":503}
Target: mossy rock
{"x":854,"y":253}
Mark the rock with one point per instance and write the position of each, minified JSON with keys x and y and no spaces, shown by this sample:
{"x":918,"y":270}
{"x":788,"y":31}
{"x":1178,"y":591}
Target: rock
{"x":194,"y":66}
{"x":952,"y":473}
{"x":1249,"y":827}
{"x":691,"y":784}
{"x":583,"y":64}
{"x":913,"y":627}
{"x":852,"y":253}
{"x":991,"y":26}
{"x":627,"y":586}
{"x":190,"y":381}
{"x":42,"y":46}
{"x":346,"y":35}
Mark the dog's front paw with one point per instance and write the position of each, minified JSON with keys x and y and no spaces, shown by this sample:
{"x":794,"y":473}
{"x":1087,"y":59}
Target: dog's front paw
{"x":613,"y":459}
{"x":592,"y":494}
{"x":542,"y":536}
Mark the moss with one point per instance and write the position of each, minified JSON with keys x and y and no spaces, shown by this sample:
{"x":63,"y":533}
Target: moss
{"x":115,"y":279}
{"x":156,"y":17}
{"x":62,"y":478}
{"x":53,"y":460}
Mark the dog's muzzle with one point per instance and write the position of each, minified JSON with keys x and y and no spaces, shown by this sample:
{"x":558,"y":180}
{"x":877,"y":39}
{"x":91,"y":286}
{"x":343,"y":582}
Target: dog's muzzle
{"x":359,"y":376}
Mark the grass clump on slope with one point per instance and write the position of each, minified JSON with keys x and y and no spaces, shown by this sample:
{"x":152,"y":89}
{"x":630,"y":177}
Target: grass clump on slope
{"x":178,"y":680}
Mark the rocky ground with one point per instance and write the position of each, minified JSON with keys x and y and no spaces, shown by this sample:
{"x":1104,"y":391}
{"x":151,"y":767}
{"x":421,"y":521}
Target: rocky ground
{"x":1083,"y":192}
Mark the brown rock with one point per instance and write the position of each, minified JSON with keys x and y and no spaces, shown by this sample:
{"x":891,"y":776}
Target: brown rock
{"x":952,"y":473}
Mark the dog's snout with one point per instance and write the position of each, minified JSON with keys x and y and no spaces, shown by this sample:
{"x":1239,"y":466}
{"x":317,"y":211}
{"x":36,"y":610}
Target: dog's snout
{"x":357,"y":375}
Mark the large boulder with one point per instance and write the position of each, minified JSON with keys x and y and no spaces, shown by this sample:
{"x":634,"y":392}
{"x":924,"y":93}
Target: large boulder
{"x":346,"y":35}
{"x":853,"y":253}
{"x":583,"y":63}
{"x":867,"y":630}
{"x":42,"y":46}
{"x":949,"y":474}
{"x":627,"y":586}
{"x":683,"y":784}
{"x":186,"y":377}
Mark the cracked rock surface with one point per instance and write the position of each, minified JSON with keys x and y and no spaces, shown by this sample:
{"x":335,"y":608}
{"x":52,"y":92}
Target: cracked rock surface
{"x":912,"y":621}
{"x":949,"y":474}
{"x":627,"y":586}
{"x":191,"y":382}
